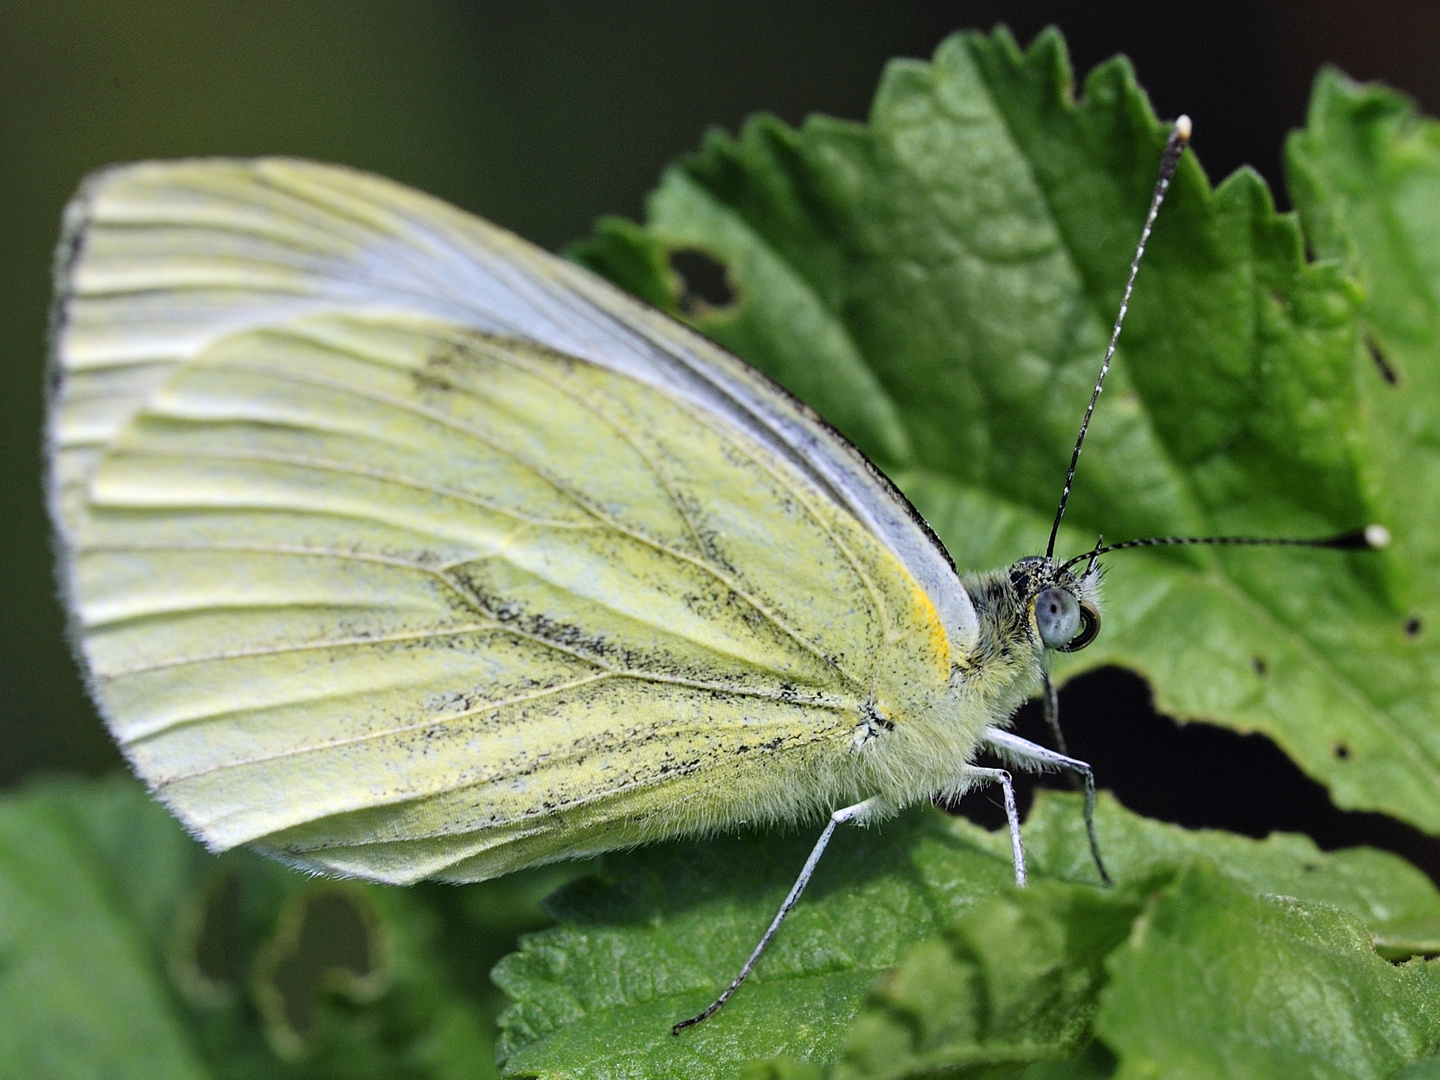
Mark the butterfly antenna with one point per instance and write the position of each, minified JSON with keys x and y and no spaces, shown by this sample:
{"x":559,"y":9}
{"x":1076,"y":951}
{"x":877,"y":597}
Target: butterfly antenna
{"x":1174,"y":145}
{"x":1370,"y":538}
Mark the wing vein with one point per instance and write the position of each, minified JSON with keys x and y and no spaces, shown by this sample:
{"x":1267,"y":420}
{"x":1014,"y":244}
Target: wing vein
{"x":719,"y":573}
{"x":298,"y":647}
{"x":440,"y":573}
{"x":813,"y":701}
{"x":582,"y":503}
{"x":300,"y":461}
{"x":356,"y":740}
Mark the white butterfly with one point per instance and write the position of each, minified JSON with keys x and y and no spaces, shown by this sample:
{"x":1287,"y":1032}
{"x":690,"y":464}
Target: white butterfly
{"x":400,"y":548}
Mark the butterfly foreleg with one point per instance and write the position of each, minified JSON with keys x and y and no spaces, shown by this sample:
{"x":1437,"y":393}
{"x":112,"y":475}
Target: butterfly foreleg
{"x":1052,"y":712}
{"x":1032,"y":757}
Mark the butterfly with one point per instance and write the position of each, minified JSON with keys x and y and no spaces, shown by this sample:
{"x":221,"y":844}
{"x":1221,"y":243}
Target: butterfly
{"x":398,"y":548}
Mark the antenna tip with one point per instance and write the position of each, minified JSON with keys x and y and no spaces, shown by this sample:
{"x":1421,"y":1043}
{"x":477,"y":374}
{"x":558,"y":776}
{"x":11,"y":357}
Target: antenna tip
{"x":1377,"y":536}
{"x":1183,"y":127}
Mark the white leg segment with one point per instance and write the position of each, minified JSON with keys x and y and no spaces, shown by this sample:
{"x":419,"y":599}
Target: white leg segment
{"x":858,"y":812}
{"x":1032,"y":757}
{"x":1017,"y":846}
{"x":1011,"y":747}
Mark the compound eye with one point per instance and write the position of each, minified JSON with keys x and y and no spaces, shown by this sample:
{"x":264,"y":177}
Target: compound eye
{"x":1089,"y":629}
{"x":1057,"y":614}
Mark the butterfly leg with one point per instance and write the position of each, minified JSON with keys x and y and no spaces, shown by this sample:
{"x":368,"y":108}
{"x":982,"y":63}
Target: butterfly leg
{"x":1032,"y":757}
{"x":1001,"y":777}
{"x":1052,"y":713}
{"x":858,"y":812}
{"x":1052,"y":720}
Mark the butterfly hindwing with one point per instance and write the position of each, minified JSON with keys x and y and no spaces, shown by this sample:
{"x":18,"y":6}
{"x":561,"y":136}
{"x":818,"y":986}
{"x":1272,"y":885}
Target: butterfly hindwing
{"x":160,"y":259}
{"x":389,"y":595}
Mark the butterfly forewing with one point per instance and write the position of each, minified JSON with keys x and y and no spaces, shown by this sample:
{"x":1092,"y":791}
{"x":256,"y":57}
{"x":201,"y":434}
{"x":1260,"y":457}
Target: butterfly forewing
{"x":402,"y":548}
{"x":161,"y":259}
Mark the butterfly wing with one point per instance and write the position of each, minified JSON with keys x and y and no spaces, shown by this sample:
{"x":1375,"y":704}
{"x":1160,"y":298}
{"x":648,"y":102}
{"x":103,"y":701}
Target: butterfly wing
{"x":160,"y":258}
{"x":374,"y":562}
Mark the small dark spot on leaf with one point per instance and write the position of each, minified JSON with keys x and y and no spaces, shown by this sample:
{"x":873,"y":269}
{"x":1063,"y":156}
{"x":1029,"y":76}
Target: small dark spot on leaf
{"x":1413,"y":626}
{"x":1311,"y":867}
{"x":1281,"y":300}
{"x":1259,"y":665}
{"x":1382,"y":362}
{"x":707,"y":281}
{"x":327,"y":943}
{"x":1342,"y":751}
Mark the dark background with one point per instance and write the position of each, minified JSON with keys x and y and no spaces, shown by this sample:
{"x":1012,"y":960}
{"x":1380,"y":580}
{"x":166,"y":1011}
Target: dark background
{"x":542,"y":115}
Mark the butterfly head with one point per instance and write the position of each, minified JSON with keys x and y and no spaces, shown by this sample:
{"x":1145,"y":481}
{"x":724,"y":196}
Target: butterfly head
{"x":1063,"y":607}
{"x":1033,"y":607}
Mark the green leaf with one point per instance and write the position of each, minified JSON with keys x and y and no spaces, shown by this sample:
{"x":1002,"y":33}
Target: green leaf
{"x":1095,"y":1063}
{"x":1428,"y":1069}
{"x":81,"y":991}
{"x":1398,"y":904}
{"x":1212,"y":980}
{"x":126,"y":950}
{"x":1010,"y":983}
{"x":940,"y":282}
{"x":630,"y":257}
{"x":658,"y":935}
{"x":1016,"y":979}
{"x":1365,"y":176}
{"x":1215,"y":982}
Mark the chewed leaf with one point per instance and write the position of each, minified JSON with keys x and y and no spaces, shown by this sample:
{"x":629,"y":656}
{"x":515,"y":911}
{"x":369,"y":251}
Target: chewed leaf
{"x":1365,"y":175}
{"x":939,"y":283}
{"x":1398,"y":904}
{"x":658,"y":934}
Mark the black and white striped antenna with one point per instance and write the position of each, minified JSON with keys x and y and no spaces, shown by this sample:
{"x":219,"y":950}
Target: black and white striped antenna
{"x":1174,"y":146}
{"x":1369,"y":537}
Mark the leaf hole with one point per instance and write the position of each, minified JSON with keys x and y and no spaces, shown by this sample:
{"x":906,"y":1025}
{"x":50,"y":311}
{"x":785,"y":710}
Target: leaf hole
{"x":1382,"y":361}
{"x":707,"y":281}
{"x":1197,"y":775}
{"x":328,"y":944}
{"x":1342,"y":752}
{"x":207,"y":960}
{"x":1413,"y":626}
